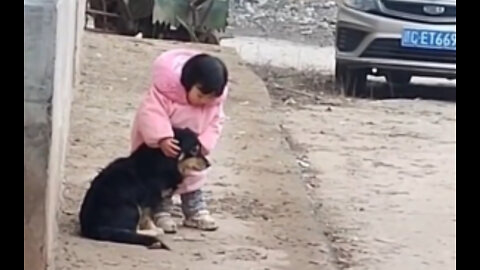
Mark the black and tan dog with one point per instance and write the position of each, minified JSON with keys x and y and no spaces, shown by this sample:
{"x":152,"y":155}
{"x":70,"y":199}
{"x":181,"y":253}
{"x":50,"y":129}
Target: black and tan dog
{"x":117,"y":205}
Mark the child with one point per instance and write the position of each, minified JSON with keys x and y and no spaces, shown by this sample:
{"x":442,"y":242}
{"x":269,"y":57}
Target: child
{"x":188,"y":91}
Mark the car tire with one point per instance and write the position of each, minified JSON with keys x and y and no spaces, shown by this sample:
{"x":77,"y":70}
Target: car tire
{"x":351,"y":81}
{"x":399,"y":78}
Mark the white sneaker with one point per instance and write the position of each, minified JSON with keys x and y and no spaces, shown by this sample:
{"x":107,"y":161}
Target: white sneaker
{"x":165,"y":221}
{"x":202,"y":220}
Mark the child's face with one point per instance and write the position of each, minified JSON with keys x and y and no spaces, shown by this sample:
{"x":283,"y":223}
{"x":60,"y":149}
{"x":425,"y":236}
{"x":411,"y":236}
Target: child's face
{"x":197,"y":98}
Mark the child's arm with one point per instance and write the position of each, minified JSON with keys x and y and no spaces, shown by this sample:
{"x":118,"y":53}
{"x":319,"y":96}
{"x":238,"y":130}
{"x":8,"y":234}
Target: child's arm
{"x":210,"y":136}
{"x":153,"y":120}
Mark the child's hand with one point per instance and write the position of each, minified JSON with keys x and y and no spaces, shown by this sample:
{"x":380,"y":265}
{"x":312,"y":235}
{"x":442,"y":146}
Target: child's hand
{"x":169,"y":147}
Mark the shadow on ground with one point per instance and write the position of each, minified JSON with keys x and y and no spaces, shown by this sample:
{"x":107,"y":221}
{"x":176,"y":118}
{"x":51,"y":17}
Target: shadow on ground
{"x":309,"y":87}
{"x":441,"y":92}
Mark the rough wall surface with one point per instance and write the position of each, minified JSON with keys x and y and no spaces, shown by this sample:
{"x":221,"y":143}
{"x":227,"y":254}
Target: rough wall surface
{"x":50,"y":34}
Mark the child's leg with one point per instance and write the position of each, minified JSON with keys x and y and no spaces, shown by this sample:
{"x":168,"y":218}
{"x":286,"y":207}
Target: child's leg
{"x":195,"y":210}
{"x":162,"y":217}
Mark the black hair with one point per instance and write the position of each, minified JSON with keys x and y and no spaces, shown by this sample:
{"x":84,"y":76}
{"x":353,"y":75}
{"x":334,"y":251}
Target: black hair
{"x":207,"y":72}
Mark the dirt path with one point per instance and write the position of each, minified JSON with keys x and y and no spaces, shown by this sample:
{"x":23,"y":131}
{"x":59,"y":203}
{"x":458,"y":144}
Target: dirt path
{"x":255,"y":190}
{"x":382,"y":175}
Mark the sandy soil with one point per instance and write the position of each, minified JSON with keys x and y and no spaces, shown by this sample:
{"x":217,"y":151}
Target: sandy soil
{"x":255,"y":190}
{"x":381,"y":173}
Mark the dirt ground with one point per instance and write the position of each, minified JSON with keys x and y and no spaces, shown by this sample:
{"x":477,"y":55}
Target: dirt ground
{"x":331,"y":183}
{"x":381,"y":173}
{"x":255,"y":190}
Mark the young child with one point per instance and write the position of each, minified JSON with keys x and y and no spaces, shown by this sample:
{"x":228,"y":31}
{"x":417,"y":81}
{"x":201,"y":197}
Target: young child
{"x":188,"y":91}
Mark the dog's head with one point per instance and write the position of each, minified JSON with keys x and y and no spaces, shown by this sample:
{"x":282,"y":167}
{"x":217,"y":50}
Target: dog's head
{"x":190,"y":159}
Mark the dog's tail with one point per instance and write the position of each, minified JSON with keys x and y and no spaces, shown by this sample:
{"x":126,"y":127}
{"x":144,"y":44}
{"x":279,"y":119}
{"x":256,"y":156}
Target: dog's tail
{"x":124,"y":236}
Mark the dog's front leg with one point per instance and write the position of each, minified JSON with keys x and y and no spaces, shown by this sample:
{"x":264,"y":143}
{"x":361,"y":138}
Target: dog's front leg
{"x":147,"y":227}
{"x":146,"y":222}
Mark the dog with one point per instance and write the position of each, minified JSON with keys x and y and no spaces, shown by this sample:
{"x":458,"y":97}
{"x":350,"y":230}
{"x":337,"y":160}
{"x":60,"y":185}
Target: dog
{"x":117,"y":205}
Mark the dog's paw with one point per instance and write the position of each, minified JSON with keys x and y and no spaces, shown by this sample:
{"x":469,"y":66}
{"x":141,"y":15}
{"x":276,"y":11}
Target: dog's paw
{"x":159,"y":231}
{"x":160,"y":244}
{"x":151,"y":232}
{"x":156,"y":245}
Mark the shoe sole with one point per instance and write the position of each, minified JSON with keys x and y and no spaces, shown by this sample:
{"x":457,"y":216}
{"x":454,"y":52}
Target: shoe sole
{"x":199,"y":228}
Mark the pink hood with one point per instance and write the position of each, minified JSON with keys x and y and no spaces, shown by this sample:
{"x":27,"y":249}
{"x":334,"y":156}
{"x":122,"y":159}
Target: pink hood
{"x":167,"y":70}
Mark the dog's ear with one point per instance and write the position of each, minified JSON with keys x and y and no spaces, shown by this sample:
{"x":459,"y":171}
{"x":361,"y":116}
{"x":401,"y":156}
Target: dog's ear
{"x":188,"y":132}
{"x":191,"y":132}
{"x":184,"y":132}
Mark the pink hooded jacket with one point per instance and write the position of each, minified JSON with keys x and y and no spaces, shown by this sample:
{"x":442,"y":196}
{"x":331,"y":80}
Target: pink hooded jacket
{"x":165,"y":106}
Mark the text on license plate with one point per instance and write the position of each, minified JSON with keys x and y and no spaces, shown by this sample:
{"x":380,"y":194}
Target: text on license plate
{"x":428,"y":39}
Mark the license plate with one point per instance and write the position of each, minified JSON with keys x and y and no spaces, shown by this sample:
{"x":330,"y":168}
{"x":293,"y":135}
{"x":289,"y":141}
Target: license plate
{"x":427,"y":39}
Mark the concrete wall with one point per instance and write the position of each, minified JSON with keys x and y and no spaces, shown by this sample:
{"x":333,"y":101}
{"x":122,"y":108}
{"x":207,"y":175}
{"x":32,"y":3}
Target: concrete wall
{"x":51,"y":38}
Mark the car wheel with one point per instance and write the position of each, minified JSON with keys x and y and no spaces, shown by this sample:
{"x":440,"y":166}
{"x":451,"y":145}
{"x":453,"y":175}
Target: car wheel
{"x":399,"y":78}
{"x":351,"y":81}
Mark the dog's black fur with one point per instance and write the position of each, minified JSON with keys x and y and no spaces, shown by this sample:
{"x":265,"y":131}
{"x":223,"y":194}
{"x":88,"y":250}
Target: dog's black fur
{"x":111,"y":209}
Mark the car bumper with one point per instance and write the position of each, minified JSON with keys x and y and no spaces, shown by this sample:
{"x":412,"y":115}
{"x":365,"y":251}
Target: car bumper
{"x":368,"y":40}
